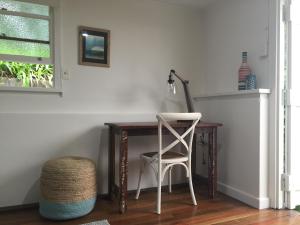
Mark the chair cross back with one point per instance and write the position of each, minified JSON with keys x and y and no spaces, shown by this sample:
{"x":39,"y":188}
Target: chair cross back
{"x":163,"y":119}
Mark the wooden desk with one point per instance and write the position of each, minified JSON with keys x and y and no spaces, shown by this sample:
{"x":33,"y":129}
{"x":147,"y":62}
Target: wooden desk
{"x":150,"y":128}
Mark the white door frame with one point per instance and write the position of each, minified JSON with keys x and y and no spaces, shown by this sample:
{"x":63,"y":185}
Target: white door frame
{"x":290,"y":179}
{"x":276,"y":69}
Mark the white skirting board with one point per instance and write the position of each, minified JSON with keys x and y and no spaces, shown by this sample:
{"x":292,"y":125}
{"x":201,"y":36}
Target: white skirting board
{"x":256,"y":202}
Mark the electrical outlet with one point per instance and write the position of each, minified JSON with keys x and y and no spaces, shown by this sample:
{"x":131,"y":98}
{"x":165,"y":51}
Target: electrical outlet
{"x":66,"y":75}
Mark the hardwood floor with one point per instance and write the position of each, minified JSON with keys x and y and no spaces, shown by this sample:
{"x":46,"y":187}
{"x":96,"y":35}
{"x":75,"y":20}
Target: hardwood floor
{"x":176,"y":209}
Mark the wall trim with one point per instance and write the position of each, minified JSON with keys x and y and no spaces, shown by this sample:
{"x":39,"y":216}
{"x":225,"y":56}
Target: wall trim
{"x":233,"y":93}
{"x":259,"y":203}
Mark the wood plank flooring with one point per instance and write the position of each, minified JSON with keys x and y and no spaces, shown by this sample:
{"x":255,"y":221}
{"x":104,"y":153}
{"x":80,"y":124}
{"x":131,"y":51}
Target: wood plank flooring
{"x":176,"y":209}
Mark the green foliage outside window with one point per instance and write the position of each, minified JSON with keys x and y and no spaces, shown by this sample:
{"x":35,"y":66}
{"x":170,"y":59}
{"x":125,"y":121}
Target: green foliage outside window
{"x":26,"y":74}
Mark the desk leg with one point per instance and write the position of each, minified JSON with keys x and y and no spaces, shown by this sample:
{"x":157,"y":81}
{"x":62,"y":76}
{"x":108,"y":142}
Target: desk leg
{"x":111,"y":158}
{"x":212,"y":163}
{"x":123,"y":170}
{"x":194,"y":155}
{"x":215,"y":164}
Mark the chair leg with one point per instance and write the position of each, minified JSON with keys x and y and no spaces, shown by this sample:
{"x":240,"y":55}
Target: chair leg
{"x":192,"y":189}
{"x":142,"y":167}
{"x":170,"y":179}
{"x":158,"y":203}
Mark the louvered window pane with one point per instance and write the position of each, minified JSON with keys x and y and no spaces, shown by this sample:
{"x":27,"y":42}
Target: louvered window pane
{"x":23,"y":27}
{"x":24,"y":48}
{"x":24,"y":7}
{"x":25,"y":35}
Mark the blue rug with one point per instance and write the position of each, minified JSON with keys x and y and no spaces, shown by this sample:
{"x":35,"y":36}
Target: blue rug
{"x":100,"y":222}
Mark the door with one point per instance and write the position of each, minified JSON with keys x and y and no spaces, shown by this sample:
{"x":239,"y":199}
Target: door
{"x":291,"y":176}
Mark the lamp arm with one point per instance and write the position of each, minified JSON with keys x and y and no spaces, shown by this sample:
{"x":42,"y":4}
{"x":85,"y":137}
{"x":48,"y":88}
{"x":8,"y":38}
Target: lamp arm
{"x":179,"y":77}
{"x":188,"y":98}
{"x":186,"y":89}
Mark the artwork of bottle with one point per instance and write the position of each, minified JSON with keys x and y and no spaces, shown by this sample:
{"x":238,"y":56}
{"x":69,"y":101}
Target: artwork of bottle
{"x":244,"y":71}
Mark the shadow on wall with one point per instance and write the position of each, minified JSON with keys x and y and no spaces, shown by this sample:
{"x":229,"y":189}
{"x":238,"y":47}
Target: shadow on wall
{"x":21,"y":186}
{"x":172,"y":105}
{"x":92,"y":144}
{"x":137,"y":97}
{"x":33,"y":193}
{"x":85,"y":145}
{"x":165,"y":102}
{"x":15,"y":194}
{"x":102,"y":165}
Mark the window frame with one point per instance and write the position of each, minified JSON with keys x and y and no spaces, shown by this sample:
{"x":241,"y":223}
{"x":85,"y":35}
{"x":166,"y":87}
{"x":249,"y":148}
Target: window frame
{"x":54,"y":39}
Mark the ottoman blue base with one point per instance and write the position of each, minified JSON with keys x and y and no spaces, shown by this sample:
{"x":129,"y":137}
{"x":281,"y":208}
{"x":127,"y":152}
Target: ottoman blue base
{"x":64,"y":211}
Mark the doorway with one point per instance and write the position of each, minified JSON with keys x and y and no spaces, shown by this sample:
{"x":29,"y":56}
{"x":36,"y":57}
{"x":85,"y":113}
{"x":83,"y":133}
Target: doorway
{"x":290,"y":178}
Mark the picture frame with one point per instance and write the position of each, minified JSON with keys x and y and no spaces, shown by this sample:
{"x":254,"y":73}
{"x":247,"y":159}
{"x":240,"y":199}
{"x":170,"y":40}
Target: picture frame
{"x":94,"y":47}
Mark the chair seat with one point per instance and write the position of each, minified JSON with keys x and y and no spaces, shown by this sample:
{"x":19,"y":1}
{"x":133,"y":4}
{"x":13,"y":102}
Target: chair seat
{"x":170,"y":155}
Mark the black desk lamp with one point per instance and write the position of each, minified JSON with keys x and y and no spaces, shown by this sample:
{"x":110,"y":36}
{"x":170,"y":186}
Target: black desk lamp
{"x":189,"y":101}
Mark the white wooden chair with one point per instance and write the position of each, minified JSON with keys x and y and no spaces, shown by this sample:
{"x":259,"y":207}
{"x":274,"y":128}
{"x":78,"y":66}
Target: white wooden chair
{"x":164,"y":159}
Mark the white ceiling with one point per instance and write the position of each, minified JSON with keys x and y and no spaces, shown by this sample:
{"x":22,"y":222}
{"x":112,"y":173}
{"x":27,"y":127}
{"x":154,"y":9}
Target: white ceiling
{"x":190,"y":3}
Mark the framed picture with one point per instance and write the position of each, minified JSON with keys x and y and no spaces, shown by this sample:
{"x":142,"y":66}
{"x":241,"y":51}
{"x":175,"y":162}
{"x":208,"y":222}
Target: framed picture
{"x":94,"y":46}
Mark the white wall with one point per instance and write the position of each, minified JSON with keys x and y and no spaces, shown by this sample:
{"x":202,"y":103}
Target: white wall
{"x":147,"y":39}
{"x":230,"y":27}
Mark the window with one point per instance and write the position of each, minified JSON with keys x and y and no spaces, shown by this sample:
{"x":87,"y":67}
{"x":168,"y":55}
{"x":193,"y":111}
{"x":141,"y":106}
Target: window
{"x":26,"y":46}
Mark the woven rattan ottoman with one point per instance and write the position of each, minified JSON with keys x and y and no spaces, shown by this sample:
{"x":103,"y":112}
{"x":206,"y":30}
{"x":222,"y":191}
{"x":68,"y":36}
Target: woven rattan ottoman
{"x":68,"y":188}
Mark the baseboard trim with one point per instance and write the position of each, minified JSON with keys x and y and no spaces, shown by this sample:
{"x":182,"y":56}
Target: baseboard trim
{"x":259,"y":203}
{"x":18,"y":207}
